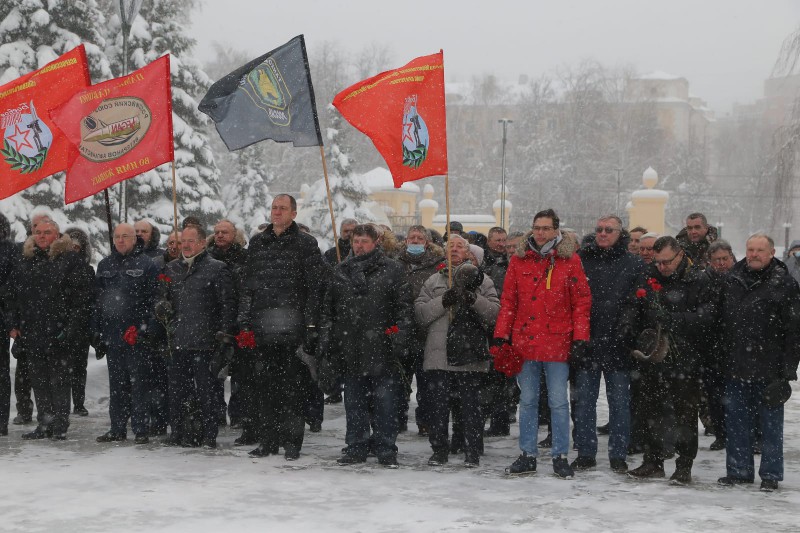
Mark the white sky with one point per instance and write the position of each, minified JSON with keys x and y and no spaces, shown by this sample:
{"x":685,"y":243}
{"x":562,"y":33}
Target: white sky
{"x":725,"y":48}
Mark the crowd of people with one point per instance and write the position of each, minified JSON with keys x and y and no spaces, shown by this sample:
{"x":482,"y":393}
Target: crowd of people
{"x":486,"y":326}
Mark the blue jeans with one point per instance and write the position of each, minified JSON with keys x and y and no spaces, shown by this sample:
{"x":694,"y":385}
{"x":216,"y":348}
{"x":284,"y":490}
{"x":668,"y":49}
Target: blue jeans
{"x":587,"y":389}
{"x":129,"y":380}
{"x":743,"y":407}
{"x":371,"y":398}
{"x":556,"y":376}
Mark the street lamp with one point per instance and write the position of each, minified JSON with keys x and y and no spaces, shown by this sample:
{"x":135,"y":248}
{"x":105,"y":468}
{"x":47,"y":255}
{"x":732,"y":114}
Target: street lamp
{"x":505,"y":122}
{"x":786,"y":227}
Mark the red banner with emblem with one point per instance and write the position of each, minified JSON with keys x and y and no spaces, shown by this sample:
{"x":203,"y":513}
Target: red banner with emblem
{"x":33,"y":147}
{"x":403,"y":112}
{"x":118,"y":129}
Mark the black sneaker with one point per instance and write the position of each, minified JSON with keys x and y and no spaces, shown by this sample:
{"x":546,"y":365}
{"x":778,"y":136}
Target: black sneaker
{"x":36,"y":434}
{"x":438,"y":458}
{"x":524,"y":465}
{"x":682,"y":476}
{"x":546,"y":442}
{"x":263,"y":451}
{"x":80,"y":411}
{"x":348,"y":459}
{"x":729,"y":481}
{"x":388,"y":462}
{"x":718,"y":444}
{"x":472,"y":460}
{"x":20,"y":420}
{"x":111,"y":437}
{"x":561,"y":467}
{"x":768,"y":485}
{"x":172,"y":439}
{"x":619,"y":466}
{"x":648,"y":471}
{"x":603,"y":430}
{"x":584,"y":463}
{"x":141,"y":439}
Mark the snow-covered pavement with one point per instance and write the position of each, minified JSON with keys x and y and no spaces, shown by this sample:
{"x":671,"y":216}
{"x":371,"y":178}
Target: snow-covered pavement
{"x":82,"y":486}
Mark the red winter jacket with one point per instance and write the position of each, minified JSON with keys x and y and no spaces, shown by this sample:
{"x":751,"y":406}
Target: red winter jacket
{"x":542,"y":320}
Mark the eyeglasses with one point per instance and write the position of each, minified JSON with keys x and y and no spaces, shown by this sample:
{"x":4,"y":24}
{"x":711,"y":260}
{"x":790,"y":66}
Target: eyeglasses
{"x":543,"y":228}
{"x":606,"y":229}
{"x":665,"y":262}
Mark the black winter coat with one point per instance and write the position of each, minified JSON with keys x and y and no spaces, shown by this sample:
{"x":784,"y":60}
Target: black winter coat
{"x":153,"y":248}
{"x":49,"y":294}
{"x":127,"y":289}
{"x":366,"y":296}
{"x":418,"y":269}
{"x":203,"y":302}
{"x":280,"y":286}
{"x":495,"y":266}
{"x":330,"y":254}
{"x":691,"y":306}
{"x":9,"y":256}
{"x":761,"y":321}
{"x":612,"y":275}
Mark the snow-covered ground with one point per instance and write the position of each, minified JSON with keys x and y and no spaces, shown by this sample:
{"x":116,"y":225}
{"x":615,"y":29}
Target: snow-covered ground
{"x":82,"y":486}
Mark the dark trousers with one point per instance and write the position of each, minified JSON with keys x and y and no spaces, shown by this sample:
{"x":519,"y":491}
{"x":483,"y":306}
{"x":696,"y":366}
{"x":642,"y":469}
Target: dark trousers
{"x":670,"y":402}
{"x":159,"y":395}
{"x":371,"y":399}
{"x":280,"y":394}
{"x":467,"y":385}
{"x":638,"y":421}
{"x":218,"y":385}
{"x":50,"y":377}
{"x":80,"y":360}
{"x":5,"y":387}
{"x":412,"y":366}
{"x":314,"y":409}
{"x":714,"y":391}
{"x":23,"y":386}
{"x":129,"y":382}
{"x":189,"y":375}
{"x":502,"y":400}
{"x":243,"y":407}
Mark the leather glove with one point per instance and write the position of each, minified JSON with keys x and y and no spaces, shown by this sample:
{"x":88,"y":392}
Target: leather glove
{"x":131,"y":335}
{"x":246,"y":339}
{"x":222,"y":356}
{"x":451,"y":297}
{"x":468,"y":298}
{"x":310,"y":340}
{"x":579,"y":354}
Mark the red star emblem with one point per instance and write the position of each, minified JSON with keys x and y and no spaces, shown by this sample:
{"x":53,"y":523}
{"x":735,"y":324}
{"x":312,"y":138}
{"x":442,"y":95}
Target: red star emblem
{"x":20,"y":138}
{"x":407,"y":131}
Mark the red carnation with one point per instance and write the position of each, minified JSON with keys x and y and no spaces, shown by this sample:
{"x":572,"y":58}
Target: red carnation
{"x":440,"y":266}
{"x":656,"y":286}
{"x":246,"y":339}
{"x":164,"y":278}
{"x":130,"y":335}
{"x":641,"y":293}
{"x":391,"y":330}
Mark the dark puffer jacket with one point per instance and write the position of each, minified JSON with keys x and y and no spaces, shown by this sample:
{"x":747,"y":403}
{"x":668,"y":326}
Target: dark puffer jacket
{"x":495,"y":265}
{"x":761,"y":321}
{"x":613,"y":275}
{"x":279,"y":293}
{"x":366,"y":296}
{"x":344,"y":251}
{"x":697,"y":251}
{"x":202,"y":299}
{"x":49,"y":292}
{"x":127,"y":289}
{"x":418,"y":269}
{"x":690,"y":304}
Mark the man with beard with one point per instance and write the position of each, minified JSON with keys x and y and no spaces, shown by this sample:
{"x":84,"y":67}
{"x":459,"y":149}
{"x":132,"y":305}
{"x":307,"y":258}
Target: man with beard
{"x":366,"y":319}
{"x":676,"y":300}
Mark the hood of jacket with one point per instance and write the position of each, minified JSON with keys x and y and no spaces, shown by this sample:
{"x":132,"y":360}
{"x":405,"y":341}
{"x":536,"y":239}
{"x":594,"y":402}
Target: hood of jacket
{"x":564,"y":249}
{"x":58,"y":247}
{"x":81,"y":238}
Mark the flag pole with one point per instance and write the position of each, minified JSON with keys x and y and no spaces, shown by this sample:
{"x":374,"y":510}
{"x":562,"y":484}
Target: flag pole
{"x":447,"y":229}
{"x":330,"y":203}
{"x":108,"y":219}
{"x":174,"y":202}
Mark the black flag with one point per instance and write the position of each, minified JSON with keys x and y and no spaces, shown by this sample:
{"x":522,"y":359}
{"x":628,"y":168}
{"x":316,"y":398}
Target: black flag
{"x":271,"y":97}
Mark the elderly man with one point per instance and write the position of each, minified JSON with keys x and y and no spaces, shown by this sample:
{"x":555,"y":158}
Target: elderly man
{"x":366,"y":319}
{"x":126,"y":288}
{"x":444,"y":312}
{"x":544,"y":316}
{"x":345,"y":236}
{"x":646,"y":246}
{"x":48,"y":293}
{"x":199,"y":291}
{"x":676,"y":300}
{"x":613,"y":272}
{"x":696,"y":237}
{"x":761,"y":329}
{"x":151,"y":237}
{"x":278,"y":310}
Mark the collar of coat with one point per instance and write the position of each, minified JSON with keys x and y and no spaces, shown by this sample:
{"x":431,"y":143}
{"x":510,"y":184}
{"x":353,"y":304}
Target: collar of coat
{"x":58,"y":247}
{"x":564,"y":250}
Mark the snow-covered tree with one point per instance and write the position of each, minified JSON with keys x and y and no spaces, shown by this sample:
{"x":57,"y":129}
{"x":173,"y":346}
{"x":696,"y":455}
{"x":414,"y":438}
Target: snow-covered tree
{"x":246,"y":194}
{"x":161,"y":28}
{"x":348,"y":193}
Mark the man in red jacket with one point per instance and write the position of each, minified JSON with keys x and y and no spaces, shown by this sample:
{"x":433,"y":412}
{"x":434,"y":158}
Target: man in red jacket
{"x":544,"y":316}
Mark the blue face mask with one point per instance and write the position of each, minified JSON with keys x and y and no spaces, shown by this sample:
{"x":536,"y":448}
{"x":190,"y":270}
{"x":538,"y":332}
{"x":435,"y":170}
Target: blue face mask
{"x":415,"y":249}
{"x":797,"y":254}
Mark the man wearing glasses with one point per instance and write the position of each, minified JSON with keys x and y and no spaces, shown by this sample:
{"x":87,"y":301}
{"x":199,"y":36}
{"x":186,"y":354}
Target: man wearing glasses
{"x":613,"y":272}
{"x":677,"y":299}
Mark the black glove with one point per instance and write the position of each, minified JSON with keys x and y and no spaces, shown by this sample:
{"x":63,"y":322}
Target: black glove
{"x":223,"y":355}
{"x":497,"y":342}
{"x":579,"y":355}
{"x":451,"y":297}
{"x":468,"y":298}
{"x":310,"y":340}
{"x":790,"y":373}
{"x":625,"y":335}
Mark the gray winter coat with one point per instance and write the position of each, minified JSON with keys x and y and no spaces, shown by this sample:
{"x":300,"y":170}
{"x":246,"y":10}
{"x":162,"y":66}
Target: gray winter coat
{"x":434,"y":317}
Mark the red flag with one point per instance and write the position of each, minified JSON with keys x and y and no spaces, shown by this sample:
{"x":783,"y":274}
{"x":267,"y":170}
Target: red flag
{"x":33,"y":148}
{"x":119,"y":129}
{"x":402,"y":111}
